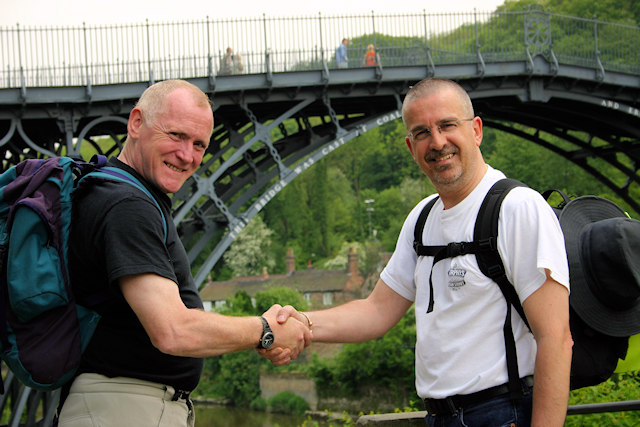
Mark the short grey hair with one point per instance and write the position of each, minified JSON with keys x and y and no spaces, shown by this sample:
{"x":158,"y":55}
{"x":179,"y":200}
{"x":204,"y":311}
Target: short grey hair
{"x":432,"y":85}
{"x":152,"y":99}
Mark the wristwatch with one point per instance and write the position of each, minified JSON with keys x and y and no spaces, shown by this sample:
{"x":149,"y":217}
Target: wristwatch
{"x":266,"y":340}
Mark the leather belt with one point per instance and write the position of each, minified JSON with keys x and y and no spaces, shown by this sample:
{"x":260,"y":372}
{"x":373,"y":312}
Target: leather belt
{"x":450,"y":405}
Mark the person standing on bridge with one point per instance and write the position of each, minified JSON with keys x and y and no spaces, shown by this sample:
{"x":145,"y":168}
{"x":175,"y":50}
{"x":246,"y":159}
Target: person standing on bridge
{"x":145,"y":356}
{"x":461,"y":369}
{"x":231,"y":63}
{"x":370,"y":58}
{"x":342,"y":61}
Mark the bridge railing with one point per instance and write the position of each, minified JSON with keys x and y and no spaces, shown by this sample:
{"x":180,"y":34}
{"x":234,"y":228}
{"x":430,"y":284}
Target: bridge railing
{"x":588,"y":42}
{"x":113,"y":54}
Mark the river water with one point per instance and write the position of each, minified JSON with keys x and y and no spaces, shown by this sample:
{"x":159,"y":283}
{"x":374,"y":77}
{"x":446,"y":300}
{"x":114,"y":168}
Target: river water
{"x":229,"y":416}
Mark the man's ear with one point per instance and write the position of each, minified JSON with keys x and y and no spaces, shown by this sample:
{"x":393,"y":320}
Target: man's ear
{"x":134,"y":123}
{"x":408,"y":141}
{"x":477,"y":130}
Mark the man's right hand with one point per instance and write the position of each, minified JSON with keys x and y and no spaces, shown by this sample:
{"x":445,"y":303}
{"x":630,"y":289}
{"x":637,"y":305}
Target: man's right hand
{"x":292,"y":335}
{"x":291,"y":332}
{"x":288,"y":311}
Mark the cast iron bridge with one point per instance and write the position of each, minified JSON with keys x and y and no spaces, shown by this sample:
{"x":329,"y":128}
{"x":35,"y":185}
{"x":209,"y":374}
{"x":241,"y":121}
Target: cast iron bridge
{"x":568,"y":84}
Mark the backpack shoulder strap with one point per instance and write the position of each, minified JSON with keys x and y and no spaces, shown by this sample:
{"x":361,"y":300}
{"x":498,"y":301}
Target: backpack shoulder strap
{"x":420,"y":249}
{"x":438,"y":252}
{"x":117,"y":174}
{"x":490,"y":263}
{"x":486,"y":235}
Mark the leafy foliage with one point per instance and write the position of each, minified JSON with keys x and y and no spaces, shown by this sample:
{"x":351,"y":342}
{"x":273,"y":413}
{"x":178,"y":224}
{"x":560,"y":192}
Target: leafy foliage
{"x":281,"y":295}
{"x":240,"y":304}
{"x":235,"y":376}
{"x":249,"y":252}
{"x":288,"y":403}
{"x":239,"y":377}
{"x":387,"y":361}
{"x":619,"y":387}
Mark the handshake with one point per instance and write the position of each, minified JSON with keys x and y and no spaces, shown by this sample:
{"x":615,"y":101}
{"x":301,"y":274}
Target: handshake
{"x":291,"y":331}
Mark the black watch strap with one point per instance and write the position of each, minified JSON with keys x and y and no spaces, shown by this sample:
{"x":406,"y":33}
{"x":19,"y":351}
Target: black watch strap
{"x":266,"y":340}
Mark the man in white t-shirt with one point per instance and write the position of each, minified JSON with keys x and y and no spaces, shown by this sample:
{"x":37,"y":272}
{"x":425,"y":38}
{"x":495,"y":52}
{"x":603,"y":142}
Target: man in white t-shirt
{"x":461,"y":368}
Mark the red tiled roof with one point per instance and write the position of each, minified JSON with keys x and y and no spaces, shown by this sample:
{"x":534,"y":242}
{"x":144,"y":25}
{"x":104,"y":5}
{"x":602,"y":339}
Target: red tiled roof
{"x":304,"y":281}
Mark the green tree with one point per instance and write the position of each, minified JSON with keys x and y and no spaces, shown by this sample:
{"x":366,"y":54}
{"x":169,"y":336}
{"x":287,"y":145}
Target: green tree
{"x":620,"y":387}
{"x":239,"y":377}
{"x":239,"y":305}
{"x":249,"y":252}
{"x":622,"y":11}
{"x":235,"y":376}
{"x":342,"y":206}
{"x":320,"y":231}
{"x":289,"y":216}
{"x":280,"y":295}
{"x":288,"y":403}
{"x":387,"y":361}
{"x":387,"y":160}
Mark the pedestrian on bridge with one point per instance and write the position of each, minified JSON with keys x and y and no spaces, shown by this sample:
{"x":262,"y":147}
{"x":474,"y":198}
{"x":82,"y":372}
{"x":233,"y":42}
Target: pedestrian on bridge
{"x":146,"y":355}
{"x":342,"y":61}
{"x":370,"y":58}
{"x":231,"y":63}
{"x":461,"y":368}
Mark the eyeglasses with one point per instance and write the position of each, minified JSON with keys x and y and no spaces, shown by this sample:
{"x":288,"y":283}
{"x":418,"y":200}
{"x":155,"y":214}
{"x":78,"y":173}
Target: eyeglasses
{"x":446,"y":127}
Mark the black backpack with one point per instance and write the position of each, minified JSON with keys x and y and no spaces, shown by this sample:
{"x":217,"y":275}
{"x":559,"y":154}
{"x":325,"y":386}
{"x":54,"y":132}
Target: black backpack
{"x":595,"y":355}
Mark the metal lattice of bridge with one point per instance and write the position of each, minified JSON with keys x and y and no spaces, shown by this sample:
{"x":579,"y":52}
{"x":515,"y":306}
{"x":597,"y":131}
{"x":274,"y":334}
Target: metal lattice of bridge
{"x":539,"y":75}
{"x":62,"y":90}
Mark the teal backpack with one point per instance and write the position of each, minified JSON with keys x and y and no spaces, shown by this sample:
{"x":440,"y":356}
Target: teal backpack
{"x":43,"y":329}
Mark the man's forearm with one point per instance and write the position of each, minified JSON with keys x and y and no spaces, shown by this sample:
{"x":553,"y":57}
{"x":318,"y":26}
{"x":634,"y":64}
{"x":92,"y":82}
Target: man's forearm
{"x":360,"y":320}
{"x":551,"y":382}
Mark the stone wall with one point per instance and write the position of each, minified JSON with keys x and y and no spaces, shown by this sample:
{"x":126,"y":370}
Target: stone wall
{"x":369,"y":399}
{"x":297,"y":383}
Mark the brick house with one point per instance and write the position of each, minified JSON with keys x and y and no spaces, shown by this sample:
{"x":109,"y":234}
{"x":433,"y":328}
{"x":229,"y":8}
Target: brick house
{"x":321,"y":288}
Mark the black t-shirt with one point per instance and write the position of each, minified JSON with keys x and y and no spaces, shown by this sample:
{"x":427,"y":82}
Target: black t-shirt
{"x":117,"y":230}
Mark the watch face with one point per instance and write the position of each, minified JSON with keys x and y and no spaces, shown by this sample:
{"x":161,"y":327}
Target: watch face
{"x":267,"y":340}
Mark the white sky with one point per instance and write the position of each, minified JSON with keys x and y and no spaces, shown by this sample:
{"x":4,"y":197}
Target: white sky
{"x":97,"y":12}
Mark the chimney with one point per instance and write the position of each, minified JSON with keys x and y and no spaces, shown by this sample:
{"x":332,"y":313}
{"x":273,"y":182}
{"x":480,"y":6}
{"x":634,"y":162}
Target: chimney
{"x":265,"y":275}
{"x":354,"y":278}
{"x":352,"y":263}
{"x":290,"y":262}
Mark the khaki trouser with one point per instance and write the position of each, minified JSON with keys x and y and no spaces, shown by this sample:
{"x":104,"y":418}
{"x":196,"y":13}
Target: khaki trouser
{"x":99,"y":401}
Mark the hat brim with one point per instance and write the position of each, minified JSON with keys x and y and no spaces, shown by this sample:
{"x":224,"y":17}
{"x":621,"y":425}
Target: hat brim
{"x":577,"y":214}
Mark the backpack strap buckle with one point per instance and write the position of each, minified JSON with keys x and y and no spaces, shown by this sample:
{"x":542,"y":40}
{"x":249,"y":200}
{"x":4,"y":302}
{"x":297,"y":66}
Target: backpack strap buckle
{"x":495,"y":271}
{"x":455,"y":249}
{"x":488,"y":244}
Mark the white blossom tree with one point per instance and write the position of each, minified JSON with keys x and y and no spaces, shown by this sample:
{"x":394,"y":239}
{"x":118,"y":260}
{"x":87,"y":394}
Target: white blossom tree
{"x":250,"y":251}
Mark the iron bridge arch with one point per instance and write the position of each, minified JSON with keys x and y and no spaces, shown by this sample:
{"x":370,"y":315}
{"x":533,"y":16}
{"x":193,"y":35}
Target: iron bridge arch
{"x":265,"y":136}
{"x":271,"y":126}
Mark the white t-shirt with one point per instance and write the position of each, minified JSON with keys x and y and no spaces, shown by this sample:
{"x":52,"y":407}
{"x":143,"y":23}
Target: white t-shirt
{"x":460,"y":345}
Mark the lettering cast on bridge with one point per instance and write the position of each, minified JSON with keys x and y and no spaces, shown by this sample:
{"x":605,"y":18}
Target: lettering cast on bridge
{"x":608,"y":103}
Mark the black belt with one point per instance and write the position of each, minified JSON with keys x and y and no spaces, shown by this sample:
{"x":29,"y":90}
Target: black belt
{"x":451,"y":405}
{"x":180,"y":394}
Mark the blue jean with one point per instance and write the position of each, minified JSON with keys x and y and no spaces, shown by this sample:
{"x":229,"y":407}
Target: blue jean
{"x":498,"y":412}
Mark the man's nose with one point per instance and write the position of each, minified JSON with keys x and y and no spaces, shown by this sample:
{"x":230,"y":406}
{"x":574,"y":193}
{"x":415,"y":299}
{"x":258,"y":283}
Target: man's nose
{"x":438,"y":140}
{"x":185,"y":152}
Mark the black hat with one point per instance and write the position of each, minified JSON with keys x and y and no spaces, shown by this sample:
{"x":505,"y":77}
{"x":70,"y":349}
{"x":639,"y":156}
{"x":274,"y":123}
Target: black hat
{"x":603,"y":249}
